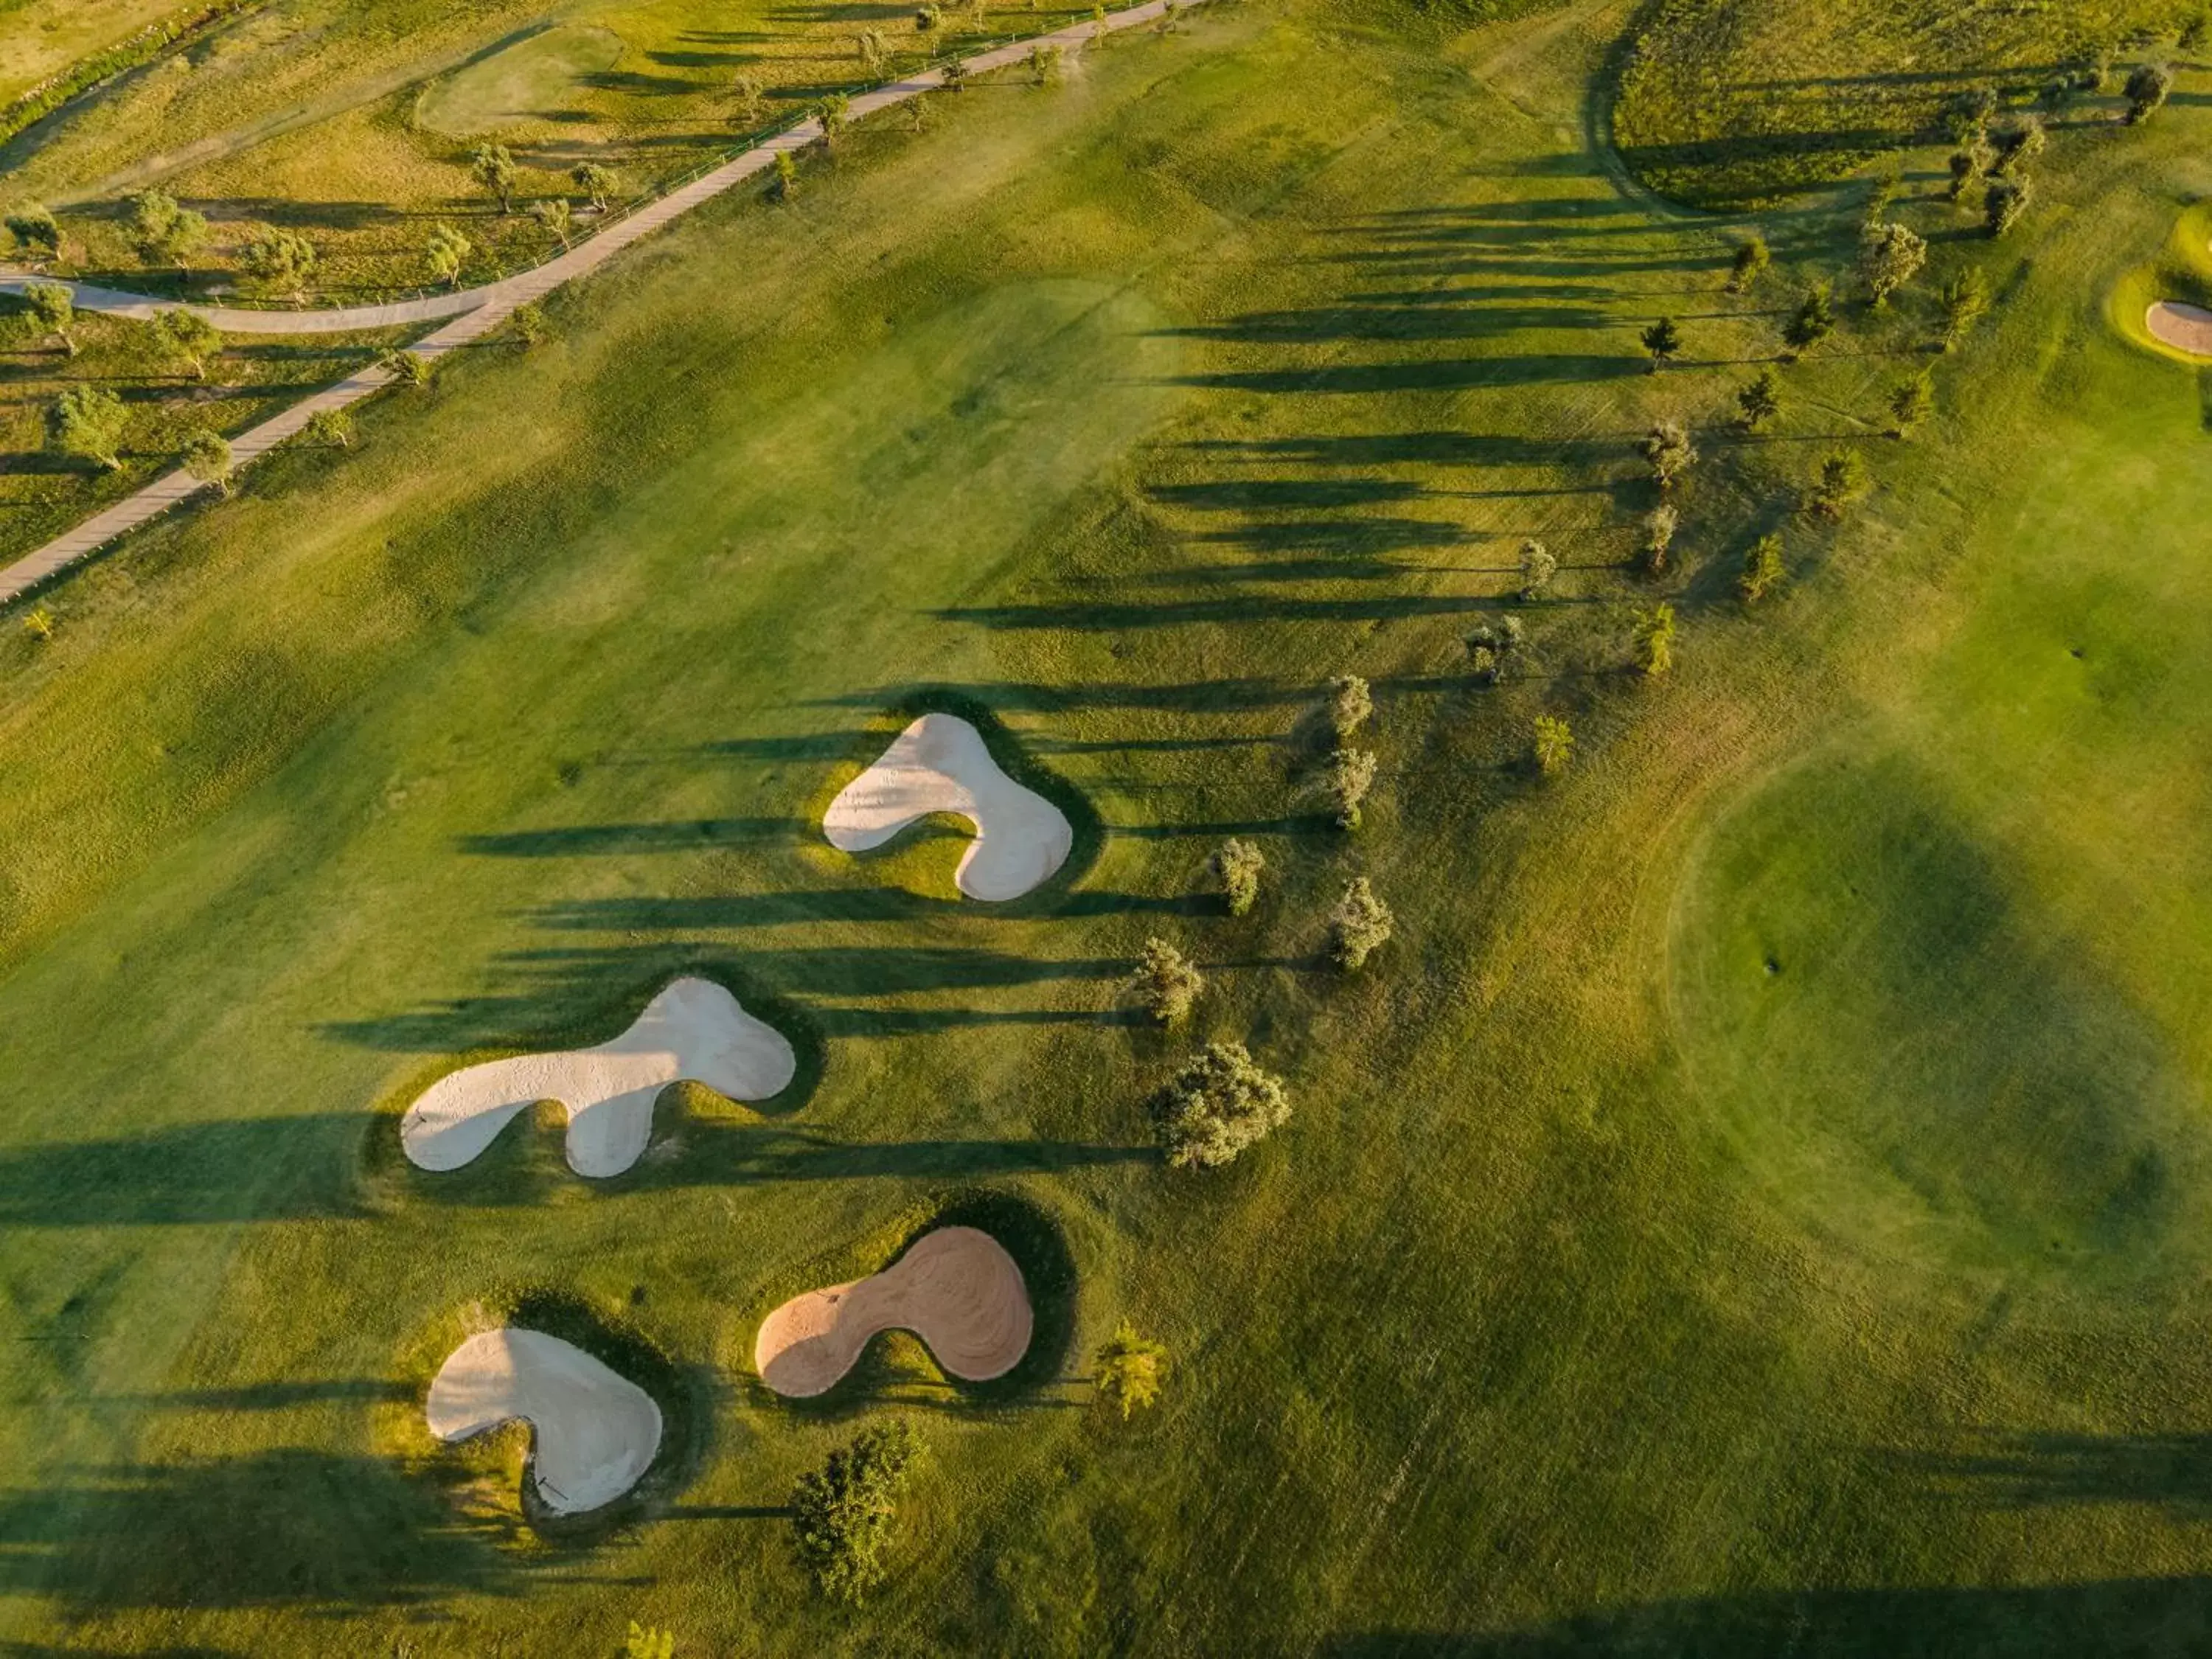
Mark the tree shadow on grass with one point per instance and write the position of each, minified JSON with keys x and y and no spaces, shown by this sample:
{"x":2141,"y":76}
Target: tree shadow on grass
{"x":285,"y":1526}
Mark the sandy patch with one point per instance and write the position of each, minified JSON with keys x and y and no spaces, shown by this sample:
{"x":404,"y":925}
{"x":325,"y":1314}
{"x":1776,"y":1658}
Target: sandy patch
{"x":2184,"y":327}
{"x":940,"y":764}
{"x":956,"y":1289}
{"x":694,"y":1030}
{"x":593,"y":1432}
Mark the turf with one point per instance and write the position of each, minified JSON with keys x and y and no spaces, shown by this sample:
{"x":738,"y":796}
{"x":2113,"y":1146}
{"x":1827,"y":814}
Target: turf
{"x":532,"y":80}
{"x":1605,"y":1293}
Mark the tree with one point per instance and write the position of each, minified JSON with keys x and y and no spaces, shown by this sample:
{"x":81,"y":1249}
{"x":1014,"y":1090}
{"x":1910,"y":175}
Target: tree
{"x":87,"y":422}
{"x":1968,"y":163}
{"x":1910,"y":401}
{"x":1752,"y":260}
{"x":1761,"y":401}
{"x":644,"y":1642}
{"x":39,"y":624}
{"x":1166,"y":984}
{"x":1046,"y":64}
{"x":185,"y":337}
{"x":748,"y":90}
{"x":1344,"y":782}
{"x":1552,"y":745}
{"x":1350,"y":706}
{"x":33,"y":228}
{"x":786,"y":184}
{"x":1815,"y":318}
{"x":554,"y":214}
{"x":1659,"y":529}
{"x":1663,"y":340}
{"x":842,"y":1514}
{"x":280,"y":259}
{"x":528,"y":322}
{"x":446,"y":252}
{"x":1762,"y":568}
{"x":1968,"y":112}
{"x":1237,"y":866}
{"x":952,"y":74}
{"x":1842,"y":480}
{"x":164,"y":231}
{"x":1358,"y":926}
{"x":332,"y":429}
{"x":408,"y":369}
{"x":1128,"y":1369}
{"x":493,"y":167}
{"x":1668,"y":450}
{"x":597,"y":183}
{"x":2020,"y":142}
{"x":1492,"y":651}
{"x":1219,"y":1104}
{"x":1889,"y":258}
{"x":2005,"y":205}
{"x":2148,"y":89}
{"x":207,"y":458}
{"x":54,"y":311}
{"x":1538,"y":567}
{"x":832,"y":112}
{"x":1655,"y":641}
{"x":927,"y":18}
{"x":868,"y":47}
{"x":1965,"y":302}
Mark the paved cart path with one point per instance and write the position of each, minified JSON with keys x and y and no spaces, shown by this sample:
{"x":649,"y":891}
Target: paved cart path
{"x":474,"y":313}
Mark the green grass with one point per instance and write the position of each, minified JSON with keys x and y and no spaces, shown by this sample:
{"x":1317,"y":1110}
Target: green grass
{"x":40,"y":38}
{"x":532,"y":80}
{"x":1606,"y":1292}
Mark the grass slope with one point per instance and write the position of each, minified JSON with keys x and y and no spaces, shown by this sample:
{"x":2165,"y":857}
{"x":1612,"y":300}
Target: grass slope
{"x":1607,"y":1293}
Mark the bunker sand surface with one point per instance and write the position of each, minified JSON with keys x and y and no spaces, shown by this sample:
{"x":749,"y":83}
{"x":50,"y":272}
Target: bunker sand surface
{"x":956,"y":1289}
{"x":940,"y":764}
{"x":693,"y":1029}
{"x":2184,"y":327}
{"x":593,"y":1432}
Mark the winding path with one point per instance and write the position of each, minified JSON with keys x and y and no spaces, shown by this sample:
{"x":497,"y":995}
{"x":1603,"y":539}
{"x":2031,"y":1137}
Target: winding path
{"x":475,"y":313}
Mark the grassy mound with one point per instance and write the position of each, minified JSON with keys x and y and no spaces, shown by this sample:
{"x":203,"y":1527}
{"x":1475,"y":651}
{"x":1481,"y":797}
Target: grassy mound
{"x":529,"y":81}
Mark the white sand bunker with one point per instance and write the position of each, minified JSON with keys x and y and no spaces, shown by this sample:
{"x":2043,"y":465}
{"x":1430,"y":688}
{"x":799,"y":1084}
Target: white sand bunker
{"x":940,"y":764}
{"x":956,"y":1289}
{"x":2184,"y":327}
{"x":593,"y":1432}
{"x":694,"y":1030}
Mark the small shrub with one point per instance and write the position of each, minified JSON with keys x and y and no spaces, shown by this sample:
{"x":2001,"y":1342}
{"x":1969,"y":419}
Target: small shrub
{"x":407,"y":368}
{"x":1752,"y":260}
{"x":282,"y":260}
{"x":528,"y":322}
{"x":35,"y":229}
{"x":842,"y":1513}
{"x":1166,"y":984}
{"x":1969,"y":162}
{"x":2148,"y":89}
{"x":1910,"y":401}
{"x":1358,"y":926}
{"x":1217,"y":1106}
{"x":1965,"y":302}
{"x":1815,"y":317}
{"x":1843,"y":481}
{"x":1235,"y":865}
{"x":556,"y":217}
{"x":1128,"y":1370}
{"x":1763,"y":569}
{"x":598,"y":183}
{"x":329,"y":428}
{"x":1493,"y":650}
{"x":1890,"y":259}
{"x":2005,"y":205}
{"x":163,"y":232}
{"x":644,"y":1642}
{"x":39,"y":624}
{"x":1667,"y":449}
{"x":207,"y":458}
{"x":833,"y":112}
{"x":54,"y":311}
{"x":785,"y":184}
{"x":2020,"y":142}
{"x":445,"y":253}
{"x":1552,"y":745}
{"x":1660,"y":528}
{"x":1655,"y":641}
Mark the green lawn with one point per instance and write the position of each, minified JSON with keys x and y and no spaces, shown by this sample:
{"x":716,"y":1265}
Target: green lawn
{"x":1751,"y":1205}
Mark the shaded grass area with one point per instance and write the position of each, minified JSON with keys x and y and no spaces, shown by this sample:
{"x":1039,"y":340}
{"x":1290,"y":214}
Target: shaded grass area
{"x":1530,"y":1332}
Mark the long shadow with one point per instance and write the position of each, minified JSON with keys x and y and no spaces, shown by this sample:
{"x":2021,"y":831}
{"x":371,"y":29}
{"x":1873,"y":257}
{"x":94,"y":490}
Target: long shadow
{"x":279,"y":1528}
{"x":1101,"y":617}
{"x":2109,"y":1619}
{"x":856,"y":904}
{"x":1348,"y":321}
{"x":2032,"y":1470}
{"x":693,"y":836}
{"x":1428,"y":375}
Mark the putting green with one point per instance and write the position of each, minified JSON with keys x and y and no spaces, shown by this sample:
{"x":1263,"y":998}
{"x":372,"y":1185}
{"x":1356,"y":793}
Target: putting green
{"x":530,"y":81}
{"x":1899,"y":1052}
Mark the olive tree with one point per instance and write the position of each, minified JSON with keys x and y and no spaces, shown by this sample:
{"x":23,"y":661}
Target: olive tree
{"x":185,"y":337}
{"x":1236,"y":866}
{"x":2148,"y":89}
{"x":407,"y":368}
{"x":1166,"y":984}
{"x":1538,"y":567}
{"x":1493,"y":650}
{"x":1889,"y":258}
{"x":282,"y":260}
{"x":1346,"y":779}
{"x":207,"y":458}
{"x":445,"y":253}
{"x":598,"y":183}
{"x":1350,"y":706}
{"x":832,"y":112}
{"x":86,"y":423}
{"x":555,"y":216}
{"x":493,"y":167}
{"x":1358,"y":926}
{"x":1216,"y":1107}
{"x":54,"y":311}
{"x":1659,"y":527}
{"x":163,"y":232}
{"x":331,"y":428}
{"x":1128,"y":1369}
{"x":2006,"y":205}
{"x":1669,"y":452}
{"x":842,"y":1514}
